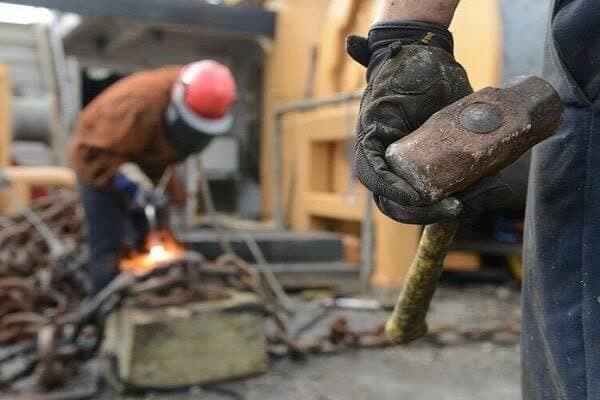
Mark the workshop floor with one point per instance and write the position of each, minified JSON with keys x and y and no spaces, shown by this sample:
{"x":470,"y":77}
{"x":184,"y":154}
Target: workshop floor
{"x":481,"y":371}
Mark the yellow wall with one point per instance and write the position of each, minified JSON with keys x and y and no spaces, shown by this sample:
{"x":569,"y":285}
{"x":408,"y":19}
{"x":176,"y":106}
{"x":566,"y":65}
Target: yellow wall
{"x":299,"y":24}
{"x":477,"y":29}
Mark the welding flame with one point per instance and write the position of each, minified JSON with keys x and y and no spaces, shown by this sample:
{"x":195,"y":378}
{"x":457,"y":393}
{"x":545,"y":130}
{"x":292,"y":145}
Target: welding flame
{"x":162,"y":248}
{"x":158,"y":253}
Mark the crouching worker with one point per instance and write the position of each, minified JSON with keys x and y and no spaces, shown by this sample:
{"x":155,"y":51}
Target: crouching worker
{"x":152,"y":119}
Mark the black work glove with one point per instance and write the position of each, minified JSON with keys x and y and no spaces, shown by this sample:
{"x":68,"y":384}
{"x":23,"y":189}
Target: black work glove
{"x":411,"y":74}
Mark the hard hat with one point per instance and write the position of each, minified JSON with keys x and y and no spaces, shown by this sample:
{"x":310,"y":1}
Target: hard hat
{"x":209,"y":88}
{"x":200,"y":106}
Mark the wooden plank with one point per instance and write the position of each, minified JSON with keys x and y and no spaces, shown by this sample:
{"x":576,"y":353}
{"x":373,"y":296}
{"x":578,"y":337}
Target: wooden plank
{"x":347,"y":228}
{"x":334,"y":206}
{"x":353,"y":74}
{"x":313,"y":173}
{"x":343,"y":156}
{"x":342,"y":167}
{"x":340,"y":18}
{"x":319,"y":179}
{"x":395,"y":247}
{"x":314,"y":156}
{"x":462,"y":261}
{"x":336,"y":72}
{"x":477,"y":30}
{"x":15,"y":198}
{"x":351,"y":245}
{"x":321,"y":158}
{"x":5,"y":117}
{"x":286,"y":70}
{"x":299,"y":218}
{"x":329,"y":123}
{"x":11,"y":197}
{"x":320,"y":166}
{"x":42,"y":176}
{"x":290,"y":164}
{"x":22,"y":179}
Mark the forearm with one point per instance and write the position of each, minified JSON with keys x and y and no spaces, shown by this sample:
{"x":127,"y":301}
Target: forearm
{"x":436,"y":11}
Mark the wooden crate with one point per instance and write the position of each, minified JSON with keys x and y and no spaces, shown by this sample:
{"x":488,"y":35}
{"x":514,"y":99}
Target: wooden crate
{"x":194,"y":344}
{"x":5,"y":117}
{"x":323,"y":197}
{"x":6,"y":138}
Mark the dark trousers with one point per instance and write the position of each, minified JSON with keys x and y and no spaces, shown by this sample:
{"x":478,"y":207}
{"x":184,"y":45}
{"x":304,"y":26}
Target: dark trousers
{"x":111,"y":228}
{"x":560,"y":343}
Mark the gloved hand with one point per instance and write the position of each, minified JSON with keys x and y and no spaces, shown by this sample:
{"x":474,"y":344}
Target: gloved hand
{"x":411,"y":74}
{"x":137,"y":188}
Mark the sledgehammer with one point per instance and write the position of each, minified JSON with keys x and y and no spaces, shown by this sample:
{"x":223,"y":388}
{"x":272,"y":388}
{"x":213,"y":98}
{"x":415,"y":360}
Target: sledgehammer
{"x":474,"y":137}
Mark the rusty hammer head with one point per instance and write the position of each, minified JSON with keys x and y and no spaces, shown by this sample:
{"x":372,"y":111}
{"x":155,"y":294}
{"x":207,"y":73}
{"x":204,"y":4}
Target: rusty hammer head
{"x":475,"y":137}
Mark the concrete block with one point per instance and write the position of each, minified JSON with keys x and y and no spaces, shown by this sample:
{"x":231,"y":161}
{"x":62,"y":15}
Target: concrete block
{"x":194,"y":344}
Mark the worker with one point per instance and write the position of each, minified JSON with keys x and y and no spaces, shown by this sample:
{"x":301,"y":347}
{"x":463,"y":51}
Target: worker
{"x":149,"y":120}
{"x":561,"y":284}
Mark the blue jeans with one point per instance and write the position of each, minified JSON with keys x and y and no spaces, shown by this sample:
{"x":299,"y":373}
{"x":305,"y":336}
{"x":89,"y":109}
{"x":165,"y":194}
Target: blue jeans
{"x":111,"y":227}
{"x":560,"y":343}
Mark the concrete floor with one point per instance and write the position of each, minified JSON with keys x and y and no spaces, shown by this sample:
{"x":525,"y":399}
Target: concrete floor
{"x":482,"y":371}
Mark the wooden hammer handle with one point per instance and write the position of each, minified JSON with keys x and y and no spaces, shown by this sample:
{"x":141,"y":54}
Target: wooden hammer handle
{"x":407,"y":321}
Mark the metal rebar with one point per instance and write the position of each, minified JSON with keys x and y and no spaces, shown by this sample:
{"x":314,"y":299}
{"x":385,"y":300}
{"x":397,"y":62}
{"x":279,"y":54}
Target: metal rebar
{"x":209,"y":205}
{"x":265,"y":269}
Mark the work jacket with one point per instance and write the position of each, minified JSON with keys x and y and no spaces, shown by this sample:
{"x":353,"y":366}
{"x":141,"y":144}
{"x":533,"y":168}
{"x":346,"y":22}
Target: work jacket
{"x":125,"y":123}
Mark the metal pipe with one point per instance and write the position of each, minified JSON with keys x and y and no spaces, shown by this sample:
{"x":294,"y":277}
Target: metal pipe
{"x":276,"y":144}
{"x":32,"y":118}
{"x":51,"y":81}
{"x":191,"y":191}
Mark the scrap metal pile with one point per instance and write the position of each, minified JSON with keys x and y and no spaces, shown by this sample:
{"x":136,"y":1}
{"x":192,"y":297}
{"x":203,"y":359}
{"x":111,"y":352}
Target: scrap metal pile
{"x":41,"y":283}
{"x":49,"y":325}
{"x":41,"y":276}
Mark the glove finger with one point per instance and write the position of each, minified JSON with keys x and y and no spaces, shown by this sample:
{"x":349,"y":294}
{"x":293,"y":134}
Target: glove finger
{"x":445,"y":210}
{"x":358,"y":48}
{"x":373,"y":172}
{"x":489,"y":193}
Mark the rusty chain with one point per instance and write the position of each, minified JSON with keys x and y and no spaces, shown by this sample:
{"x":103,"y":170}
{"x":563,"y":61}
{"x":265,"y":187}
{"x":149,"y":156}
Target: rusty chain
{"x":37,"y":287}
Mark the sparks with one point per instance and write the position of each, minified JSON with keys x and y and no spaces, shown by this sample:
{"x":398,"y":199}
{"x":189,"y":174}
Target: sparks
{"x":161,"y":248}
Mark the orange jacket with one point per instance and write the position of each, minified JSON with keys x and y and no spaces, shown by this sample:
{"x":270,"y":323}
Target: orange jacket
{"x":125,"y":124}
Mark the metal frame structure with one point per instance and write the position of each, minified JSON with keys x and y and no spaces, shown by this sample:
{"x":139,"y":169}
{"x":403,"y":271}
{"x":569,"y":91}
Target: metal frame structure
{"x":253,"y":21}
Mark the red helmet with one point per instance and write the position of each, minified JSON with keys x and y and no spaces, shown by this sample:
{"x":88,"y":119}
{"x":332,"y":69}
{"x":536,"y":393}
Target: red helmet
{"x":209,"y":88}
{"x":200,"y":106}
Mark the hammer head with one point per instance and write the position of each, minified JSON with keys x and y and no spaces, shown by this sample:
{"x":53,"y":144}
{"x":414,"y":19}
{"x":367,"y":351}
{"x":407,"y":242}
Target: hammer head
{"x":475,"y":137}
